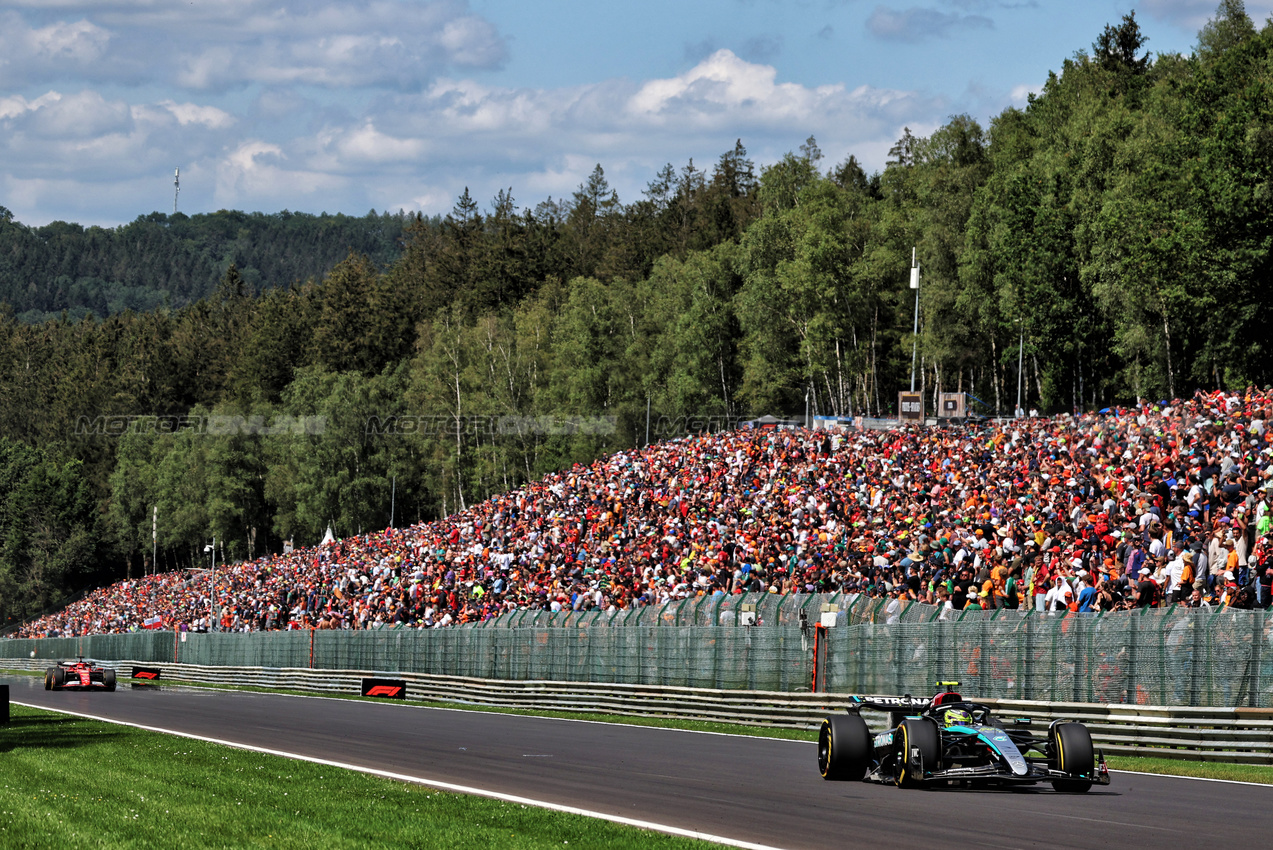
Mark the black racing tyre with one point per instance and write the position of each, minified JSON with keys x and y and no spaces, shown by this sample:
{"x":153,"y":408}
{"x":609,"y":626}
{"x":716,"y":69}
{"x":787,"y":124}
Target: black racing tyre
{"x":1073,"y":754}
{"x":916,"y":733}
{"x":59,"y":677}
{"x":48,"y":678}
{"x":844,"y":747}
{"x":108,"y":679}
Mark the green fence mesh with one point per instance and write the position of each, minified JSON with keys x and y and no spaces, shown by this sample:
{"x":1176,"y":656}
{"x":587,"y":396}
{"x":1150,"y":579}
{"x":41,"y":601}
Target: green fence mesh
{"x":1173,"y":656}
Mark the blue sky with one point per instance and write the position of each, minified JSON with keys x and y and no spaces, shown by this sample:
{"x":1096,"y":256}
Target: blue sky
{"x":400,"y":104}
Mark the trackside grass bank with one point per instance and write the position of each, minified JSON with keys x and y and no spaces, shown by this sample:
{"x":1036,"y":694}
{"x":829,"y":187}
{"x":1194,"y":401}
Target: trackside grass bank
{"x":1262,"y":773}
{"x":74,"y":783}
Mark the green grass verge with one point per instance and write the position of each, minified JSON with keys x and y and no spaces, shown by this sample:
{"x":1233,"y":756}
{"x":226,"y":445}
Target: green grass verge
{"x":1262,"y":773}
{"x":68,"y":782}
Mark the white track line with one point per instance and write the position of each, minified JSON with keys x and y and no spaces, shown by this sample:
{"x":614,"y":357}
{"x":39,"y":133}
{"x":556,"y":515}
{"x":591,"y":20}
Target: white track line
{"x":416,"y":780}
{"x":1194,"y":778}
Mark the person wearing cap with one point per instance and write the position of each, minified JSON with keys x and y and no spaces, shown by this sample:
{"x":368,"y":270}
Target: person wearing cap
{"x":944,"y":605}
{"x":1146,"y":590}
{"x":979,"y":597}
{"x":1263,"y":515}
{"x":1226,"y":589}
{"x":1179,"y":576}
{"x":893,"y":608}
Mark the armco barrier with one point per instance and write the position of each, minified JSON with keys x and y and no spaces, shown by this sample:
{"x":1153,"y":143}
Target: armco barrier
{"x":1209,"y":734}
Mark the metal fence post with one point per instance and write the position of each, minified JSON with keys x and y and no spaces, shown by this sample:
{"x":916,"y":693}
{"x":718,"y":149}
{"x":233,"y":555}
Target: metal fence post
{"x":1161,"y":662}
{"x":1257,"y":638}
{"x":1027,"y":660}
{"x":1133,"y":652}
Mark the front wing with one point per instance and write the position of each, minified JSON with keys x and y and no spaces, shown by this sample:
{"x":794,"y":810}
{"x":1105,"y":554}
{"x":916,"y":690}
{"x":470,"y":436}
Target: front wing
{"x":885,"y":769}
{"x":988,"y":774}
{"x":73,"y":682}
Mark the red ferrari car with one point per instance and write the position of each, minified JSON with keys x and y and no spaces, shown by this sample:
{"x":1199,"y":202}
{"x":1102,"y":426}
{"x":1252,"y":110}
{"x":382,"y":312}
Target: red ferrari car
{"x":79,"y":675}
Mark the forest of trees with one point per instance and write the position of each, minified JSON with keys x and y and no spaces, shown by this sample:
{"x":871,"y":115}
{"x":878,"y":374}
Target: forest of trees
{"x":172,"y":261}
{"x":1117,"y":229}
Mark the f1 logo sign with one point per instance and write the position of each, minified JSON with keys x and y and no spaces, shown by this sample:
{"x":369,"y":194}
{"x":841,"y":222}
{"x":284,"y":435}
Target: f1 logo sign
{"x":150,"y":673}
{"x":389,"y":688}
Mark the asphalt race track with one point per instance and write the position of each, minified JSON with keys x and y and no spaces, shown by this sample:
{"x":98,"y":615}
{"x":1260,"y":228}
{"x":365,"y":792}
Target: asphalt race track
{"x":753,"y":790}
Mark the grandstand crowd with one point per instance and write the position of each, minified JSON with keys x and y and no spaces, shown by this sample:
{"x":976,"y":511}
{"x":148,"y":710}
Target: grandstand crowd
{"x":1155,"y":505}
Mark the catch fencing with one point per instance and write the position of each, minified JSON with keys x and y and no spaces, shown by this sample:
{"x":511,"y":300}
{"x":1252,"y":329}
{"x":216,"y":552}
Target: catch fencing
{"x":1218,"y":657}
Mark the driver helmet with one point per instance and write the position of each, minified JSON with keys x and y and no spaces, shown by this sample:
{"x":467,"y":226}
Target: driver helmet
{"x":958,"y":717}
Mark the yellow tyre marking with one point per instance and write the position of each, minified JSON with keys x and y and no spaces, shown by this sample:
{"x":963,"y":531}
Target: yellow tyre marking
{"x":906,"y":751}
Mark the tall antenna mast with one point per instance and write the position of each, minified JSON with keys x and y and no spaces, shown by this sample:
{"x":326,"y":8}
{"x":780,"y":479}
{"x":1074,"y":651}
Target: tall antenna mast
{"x":176,"y":190}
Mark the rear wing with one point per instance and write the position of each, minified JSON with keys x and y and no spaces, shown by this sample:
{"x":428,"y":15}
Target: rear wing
{"x":856,"y":703}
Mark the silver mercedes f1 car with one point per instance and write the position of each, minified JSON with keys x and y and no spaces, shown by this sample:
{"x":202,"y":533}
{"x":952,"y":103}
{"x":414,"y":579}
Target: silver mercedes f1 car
{"x":948,"y":740}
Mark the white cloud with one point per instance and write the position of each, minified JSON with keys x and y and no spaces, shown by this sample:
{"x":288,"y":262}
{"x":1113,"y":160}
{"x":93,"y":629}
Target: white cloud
{"x":396,"y":44}
{"x":191,"y":113}
{"x":32,"y":52}
{"x":1192,"y":15}
{"x":79,"y":41}
{"x":420,"y":149}
{"x":712,"y":104}
{"x":199,"y":72}
{"x":724,"y":91}
{"x":260,"y":171}
{"x":430,"y":198}
{"x":12,"y":107}
{"x":366,"y":144}
{"x":101,"y":143}
{"x":1020,"y":95}
{"x":545,"y":142}
{"x":920,"y":23}
{"x":84,"y":115}
{"x":472,"y":43}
